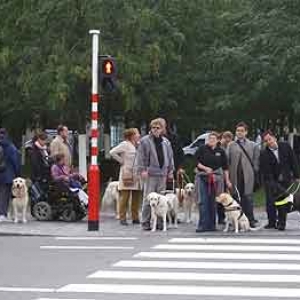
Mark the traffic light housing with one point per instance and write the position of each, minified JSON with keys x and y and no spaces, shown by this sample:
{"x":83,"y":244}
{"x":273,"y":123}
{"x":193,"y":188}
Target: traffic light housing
{"x":108,"y":73}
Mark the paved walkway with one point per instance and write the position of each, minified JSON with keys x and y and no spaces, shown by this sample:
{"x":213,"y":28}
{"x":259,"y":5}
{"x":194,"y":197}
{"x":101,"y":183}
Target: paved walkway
{"x":110,"y":226}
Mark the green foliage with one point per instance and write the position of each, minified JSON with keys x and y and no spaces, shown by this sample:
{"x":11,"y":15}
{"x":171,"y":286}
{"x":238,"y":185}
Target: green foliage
{"x":203,"y":63}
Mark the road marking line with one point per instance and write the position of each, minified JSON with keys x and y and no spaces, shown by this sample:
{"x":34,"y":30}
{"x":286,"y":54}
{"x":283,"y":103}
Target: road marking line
{"x":205,"y":265}
{"x":98,"y":238}
{"x":217,"y":256}
{"x":189,"y":276}
{"x":62,"y":299}
{"x":24,"y":289}
{"x":85,"y":248}
{"x":181,"y":290}
{"x":247,"y":248}
{"x":235,"y":241}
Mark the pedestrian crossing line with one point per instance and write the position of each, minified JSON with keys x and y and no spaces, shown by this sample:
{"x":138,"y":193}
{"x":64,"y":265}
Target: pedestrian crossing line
{"x":26,"y":289}
{"x":190,"y":276}
{"x":217,"y":256}
{"x":204,"y":265}
{"x":63,"y":299}
{"x":223,"y":248}
{"x":182,"y":290}
{"x":85,"y":248}
{"x":98,"y":238}
{"x":235,"y":240}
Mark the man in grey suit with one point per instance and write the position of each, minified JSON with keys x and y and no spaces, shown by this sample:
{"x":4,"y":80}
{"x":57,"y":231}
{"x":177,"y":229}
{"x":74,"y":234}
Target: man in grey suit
{"x":243,"y":156}
{"x":155,"y":165}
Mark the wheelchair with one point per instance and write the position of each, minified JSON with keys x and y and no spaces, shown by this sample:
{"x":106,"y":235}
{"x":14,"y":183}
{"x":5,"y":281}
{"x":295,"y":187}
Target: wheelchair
{"x":52,"y":201}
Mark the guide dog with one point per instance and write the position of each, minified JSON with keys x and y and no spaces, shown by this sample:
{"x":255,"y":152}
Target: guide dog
{"x":20,"y":200}
{"x":188,"y":195}
{"x":111,"y":197}
{"x":234,"y":214}
{"x":161,"y":206}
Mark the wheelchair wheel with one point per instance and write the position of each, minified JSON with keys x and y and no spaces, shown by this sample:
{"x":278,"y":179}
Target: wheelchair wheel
{"x":42,"y":211}
{"x":69,"y":214}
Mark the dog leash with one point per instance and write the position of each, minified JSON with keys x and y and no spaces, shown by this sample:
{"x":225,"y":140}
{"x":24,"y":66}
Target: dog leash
{"x":187,"y":177}
{"x":285,"y":200}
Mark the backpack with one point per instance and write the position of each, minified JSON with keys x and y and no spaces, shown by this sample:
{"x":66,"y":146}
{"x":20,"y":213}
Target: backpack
{"x":2,"y":160}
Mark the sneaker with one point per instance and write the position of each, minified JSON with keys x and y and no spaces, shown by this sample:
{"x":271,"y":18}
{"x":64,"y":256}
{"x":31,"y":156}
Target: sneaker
{"x":3,"y":219}
{"x":124,"y":223}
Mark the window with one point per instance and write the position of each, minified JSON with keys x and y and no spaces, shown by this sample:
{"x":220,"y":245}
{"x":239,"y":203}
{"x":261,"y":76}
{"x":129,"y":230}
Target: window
{"x":116,"y":133}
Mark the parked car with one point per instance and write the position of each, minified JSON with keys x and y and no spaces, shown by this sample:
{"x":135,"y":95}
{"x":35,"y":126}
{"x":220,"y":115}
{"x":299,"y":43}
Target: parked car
{"x":192,"y":148}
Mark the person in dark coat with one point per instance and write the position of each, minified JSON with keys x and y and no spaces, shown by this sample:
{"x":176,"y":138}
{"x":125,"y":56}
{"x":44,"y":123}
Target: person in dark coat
{"x":11,"y":170}
{"x":279,"y":168}
{"x":40,"y":160}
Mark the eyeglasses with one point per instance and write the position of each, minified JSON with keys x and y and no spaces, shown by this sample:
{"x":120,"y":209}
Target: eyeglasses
{"x":155,"y":127}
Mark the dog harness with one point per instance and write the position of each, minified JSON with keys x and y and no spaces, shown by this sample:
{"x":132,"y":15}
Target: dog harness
{"x":227,"y":208}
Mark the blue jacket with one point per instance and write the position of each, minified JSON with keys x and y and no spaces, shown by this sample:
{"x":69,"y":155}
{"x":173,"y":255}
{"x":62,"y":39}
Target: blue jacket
{"x":12,"y":162}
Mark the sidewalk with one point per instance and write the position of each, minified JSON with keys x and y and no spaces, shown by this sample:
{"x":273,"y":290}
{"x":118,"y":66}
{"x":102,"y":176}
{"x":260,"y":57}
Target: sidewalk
{"x":111,"y":227}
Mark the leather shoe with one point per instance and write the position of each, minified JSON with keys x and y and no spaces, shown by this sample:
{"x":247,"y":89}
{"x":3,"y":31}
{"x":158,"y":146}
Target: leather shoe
{"x":124,"y":223}
{"x":136,"y":222}
{"x":270,"y":226}
{"x":146,"y":226}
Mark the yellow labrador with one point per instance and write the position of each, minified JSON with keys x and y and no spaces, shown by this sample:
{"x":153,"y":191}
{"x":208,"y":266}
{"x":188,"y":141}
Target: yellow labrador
{"x":234,"y":214}
{"x":159,"y":208}
{"x":189,"y":201}
{"x":20,"y":200}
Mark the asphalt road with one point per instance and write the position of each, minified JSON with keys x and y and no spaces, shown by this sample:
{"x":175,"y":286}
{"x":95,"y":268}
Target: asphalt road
{"x":149,"y":267}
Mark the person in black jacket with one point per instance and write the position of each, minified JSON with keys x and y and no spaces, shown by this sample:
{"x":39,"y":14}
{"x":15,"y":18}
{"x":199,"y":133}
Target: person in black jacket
{"x":40,"y":161}
{"x":212,"y":173}
{"x":279,"y":168}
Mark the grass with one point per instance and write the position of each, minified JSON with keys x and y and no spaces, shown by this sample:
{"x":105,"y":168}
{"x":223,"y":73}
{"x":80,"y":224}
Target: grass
{"x":259,"y":198}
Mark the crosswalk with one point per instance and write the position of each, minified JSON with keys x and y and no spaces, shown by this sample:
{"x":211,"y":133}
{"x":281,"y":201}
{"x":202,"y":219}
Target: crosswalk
{"x":186,"y":268}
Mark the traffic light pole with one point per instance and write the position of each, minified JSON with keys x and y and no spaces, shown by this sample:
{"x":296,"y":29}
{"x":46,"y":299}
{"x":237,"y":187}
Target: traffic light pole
{"x":94,"y":172}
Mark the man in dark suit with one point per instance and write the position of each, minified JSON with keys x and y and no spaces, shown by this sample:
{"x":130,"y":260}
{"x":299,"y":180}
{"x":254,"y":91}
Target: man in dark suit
{"x":279,"y":168}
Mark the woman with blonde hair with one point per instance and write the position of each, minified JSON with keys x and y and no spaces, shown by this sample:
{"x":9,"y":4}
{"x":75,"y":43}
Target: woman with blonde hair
{"x":129,"y":184}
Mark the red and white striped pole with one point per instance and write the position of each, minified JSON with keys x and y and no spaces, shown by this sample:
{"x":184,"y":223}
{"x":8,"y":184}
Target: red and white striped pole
{"x":94,"y":172}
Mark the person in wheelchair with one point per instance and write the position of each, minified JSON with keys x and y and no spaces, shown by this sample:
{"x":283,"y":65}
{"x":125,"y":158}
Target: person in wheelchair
{"x":66,"y":180}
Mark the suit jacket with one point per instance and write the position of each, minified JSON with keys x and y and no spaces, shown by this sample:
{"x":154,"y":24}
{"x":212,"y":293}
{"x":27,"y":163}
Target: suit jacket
{"x":287,"y":166}
{"x":235,"y":153}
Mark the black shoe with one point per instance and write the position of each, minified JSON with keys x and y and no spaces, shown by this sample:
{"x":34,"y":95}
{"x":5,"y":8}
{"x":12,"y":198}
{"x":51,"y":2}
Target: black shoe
{"x":146,"y":226}
{"x":136,"y":222}
{"x":252,"y":224}
{"x":256,"y":221}
{"x":221,"y":222}
{"x":124,"y":223}
{"x":281,"y":227}
{"x":270,"y":226}
{"x":159,"y":227}
{"x":200,"y":229}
